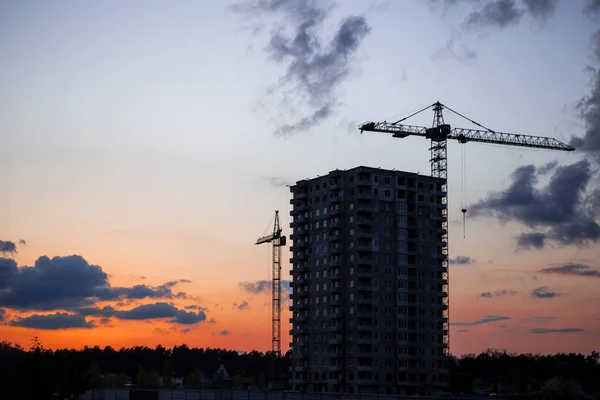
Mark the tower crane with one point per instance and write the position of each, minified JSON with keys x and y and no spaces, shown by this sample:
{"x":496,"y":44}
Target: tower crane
{"x":278,"y":241}
{"x":439,"y":134}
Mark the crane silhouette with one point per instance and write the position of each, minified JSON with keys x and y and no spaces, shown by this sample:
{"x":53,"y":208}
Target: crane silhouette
{"x":439,"y":134}
{"x":278,"y":241}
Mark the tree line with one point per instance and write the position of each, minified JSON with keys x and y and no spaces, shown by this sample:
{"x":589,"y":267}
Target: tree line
{"x":41,"y":373}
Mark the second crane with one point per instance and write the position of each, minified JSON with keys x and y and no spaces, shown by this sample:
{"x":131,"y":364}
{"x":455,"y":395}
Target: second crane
{"x":278,"y":241}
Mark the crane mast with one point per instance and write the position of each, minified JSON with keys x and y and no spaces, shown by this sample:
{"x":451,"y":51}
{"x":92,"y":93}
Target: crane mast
{"x":278,"y":241}
{"x":439,"y":134}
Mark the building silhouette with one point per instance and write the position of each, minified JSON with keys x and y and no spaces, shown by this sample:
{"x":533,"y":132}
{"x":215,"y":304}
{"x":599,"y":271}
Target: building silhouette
{"x":370,"y":289}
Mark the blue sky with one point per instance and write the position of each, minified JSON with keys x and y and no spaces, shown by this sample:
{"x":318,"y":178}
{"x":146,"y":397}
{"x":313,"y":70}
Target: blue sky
{"x":142,"y":136}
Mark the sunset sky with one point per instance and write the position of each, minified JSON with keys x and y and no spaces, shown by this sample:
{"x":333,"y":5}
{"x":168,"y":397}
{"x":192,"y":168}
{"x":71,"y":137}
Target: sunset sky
{"x":145,"y":147}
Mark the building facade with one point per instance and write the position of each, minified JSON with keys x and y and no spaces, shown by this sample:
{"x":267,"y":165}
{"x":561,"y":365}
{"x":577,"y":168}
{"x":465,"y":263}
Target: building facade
{"x":370,"y":283}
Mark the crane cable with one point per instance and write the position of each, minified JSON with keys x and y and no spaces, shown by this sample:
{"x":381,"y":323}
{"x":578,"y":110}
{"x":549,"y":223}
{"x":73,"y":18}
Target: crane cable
{"x":464,"y":190}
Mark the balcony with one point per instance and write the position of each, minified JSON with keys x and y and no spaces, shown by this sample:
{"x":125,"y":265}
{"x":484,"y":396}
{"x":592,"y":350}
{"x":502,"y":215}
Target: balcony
{"x":335,"y":198}
{"x":335,"y":289}
{"x":300,"y":195}
{"x":364,"y":207}
{"x":335,"y":211}
{"x":334,"y":224}
{"x":299,"y":208}
{"x":364,"y":195}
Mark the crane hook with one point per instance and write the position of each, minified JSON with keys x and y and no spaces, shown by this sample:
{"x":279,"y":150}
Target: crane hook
{"x":464,"y":212}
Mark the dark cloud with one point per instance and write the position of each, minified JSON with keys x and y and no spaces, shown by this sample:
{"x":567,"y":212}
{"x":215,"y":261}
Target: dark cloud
{"x":484,"y":320}
{"x":498,"y":293}
{"x":589,"y":105}
{"x":462,"y":330}
{"x":592,"y":6}
{"x":495,"y":14}
{"x":159,"y":310}
{"x":541,"y":9}
{"x":315,"y":69}
{"x":52,"y":321}
{"x":461,"y":260}
{"x":66,"y":283}
{"x":541,"y":331}
{"x":589,"y":109}
{"x":531,"y":240}
{"x":241,"y":306}
{"x":572,"y":270}
{"x":548,"y":167}
{"x":8,"y":270}
{"x":561,"y":208}
{"x":2,"y":314}
{"x":537,"y":320}
{"x":211,"y":321}
{"x":544,"y":292}
{"x":265,"y":286}
{"x":6,"y":246}
{"x":501,"y":14}
{"x":224,"y":332}
{"x":196,"y":307}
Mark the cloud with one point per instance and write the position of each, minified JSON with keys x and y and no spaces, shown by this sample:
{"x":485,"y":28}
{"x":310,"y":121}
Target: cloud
{"x":547,"y":168}
{"x":589,"y":105}
{"x":264,"y":286}
{"x":592,"y":6}
{"x":2,"y":314}
{"x":462,"y":330}
{"x":496,"y":14}
{"x":563,"y":209}
{"x":6,"y":246}
{"x":456,"y":49}
{"x":541,"y":9}
{"x":279,"y":182}
{"x":498,"y":293}
{"x":491,"y":14}
{"x":484,"y":320}
{"x":256,"y":287}
{"x":160,"y":310}
{"x":196,"y":307}
{"x":66,"y":283}
{"x":541,"y":331}
{"x":461,"y":260}
{"x":241,"y":306}
{"x":537,"y":320}
{"x":224,"y":332}
{"x":532,"y":239}
{"x":8,"y":270}
{"x":211,"y":321}
{"x":572,"y":270}
{"x":52,"y":321}
{"x":315,"y":69}
{"x":544,"y":292}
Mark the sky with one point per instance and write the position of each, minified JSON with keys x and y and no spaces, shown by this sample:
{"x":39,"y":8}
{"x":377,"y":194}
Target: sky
{"x":146,"y":146}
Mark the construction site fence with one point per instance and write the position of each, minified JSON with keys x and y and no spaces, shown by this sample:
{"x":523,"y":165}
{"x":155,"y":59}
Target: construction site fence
{"x":230,"y":394}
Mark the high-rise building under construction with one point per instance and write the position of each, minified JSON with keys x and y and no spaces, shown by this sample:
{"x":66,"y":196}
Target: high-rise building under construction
{"x":370,"y":283}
